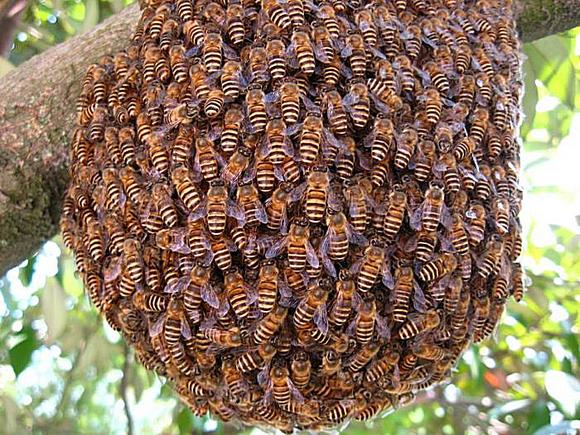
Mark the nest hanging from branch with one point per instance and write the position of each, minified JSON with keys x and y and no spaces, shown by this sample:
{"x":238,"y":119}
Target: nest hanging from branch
{"x":301,"y":212}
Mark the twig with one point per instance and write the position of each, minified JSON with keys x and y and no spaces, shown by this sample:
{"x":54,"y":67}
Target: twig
{"x":123,"y":388}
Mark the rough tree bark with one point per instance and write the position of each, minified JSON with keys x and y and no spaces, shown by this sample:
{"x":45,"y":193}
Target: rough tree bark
{"x":37,"y":103}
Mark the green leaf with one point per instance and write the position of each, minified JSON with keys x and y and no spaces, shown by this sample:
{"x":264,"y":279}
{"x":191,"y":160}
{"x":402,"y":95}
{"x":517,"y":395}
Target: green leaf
{"x":53,"y":302}
{"x":25,"y":273}
{"x":564,"y":427}
{"x":21,"y":354}
{"x":539,"y":416}
{"x":184,"y":421}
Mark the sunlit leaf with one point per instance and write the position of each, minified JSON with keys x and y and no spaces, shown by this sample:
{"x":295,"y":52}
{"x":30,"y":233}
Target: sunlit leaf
{"x":53,"y":301}
{"x":25,"y":273}
{"x":5,"y":66}
{"x":21,"y":353}
{"x":565,"y":389}
{"x":565,"y":427}
{"x":91,"y":15}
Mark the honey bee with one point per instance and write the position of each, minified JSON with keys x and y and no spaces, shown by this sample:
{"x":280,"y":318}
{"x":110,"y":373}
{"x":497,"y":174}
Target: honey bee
{"x":231,"y":79}
{"x":162,"y":198}
{"x":476,"y":217}
{"x":205,"y":159}
{"x":316,"y":194}
{"x":418,"y":323}
{"x":364,"y":322}
{"x":278,"y":143}
{"x":431,"y":210}
{"x":483,"y":89}
{"x":276,"y":207}
{"x":458,"y":235}
{"x":323,"y":45}
{"x":330,"y":363}
{"x":224,"y":337}
{"x":383,"y":135}
{"x":335,"y":112}
{"x":433,"y":105}
{"x":357,"y":103}
{"x":355,"y":52}
{"x":133,"y":260}
{"x":437,"y":77}
{"x":186,"y":188}
{"x":256,"y":107}
{"x":212,"y":52}
{"x":313,"y":302}
{"x":310,"y":138}
{"x":193,"y":31}
{"x":404,"y":285}
{"x":340,"y":411}
{"x":290,"y":102}
{"x":424,"y":161}
{"x":302,"y":46}
{"x":500,"y":210}
{"x":178,"y":63}
{"x":276,"y":53}
{"x":269,"y":325}
{"x":405,"y":76}
{"x":491,"y":257}
{"x":380,"y":367}
{"x":517,"y":282}
{"x":236,"y":290}
{"x":155,"y":65}
{"x":267,"y":286}
{"x":248,"y":199}
{"x":395,"y":214}
{"x":276,"y":13}
{"x":235,"y":23}
{"x":230,"y":135}
{"x":406,"y":144}
{"x":373,"y":265}
{"x":432,"y":270}
{"x":265,"y":175}
{"x":198,"y":75}
{"x":238,"y":162}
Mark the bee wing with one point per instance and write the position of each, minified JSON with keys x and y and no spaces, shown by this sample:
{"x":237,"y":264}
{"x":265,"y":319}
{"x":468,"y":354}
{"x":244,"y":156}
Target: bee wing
{"x":345,"y":71}
{"x":276,"y":248}
{"x":251,"y":294}
{"x":377,"y":53}
{"x":209,"y":296}
{"x":298,"y":192}
{"x":387,"y":276}
{"x":235,"y":211}
{"x":279,"y":173}
{"x":419,"y":301}
{"x":309,"y":105}
{"x":311,"y":256}
{"x":272,"y":97}
{"x":326,"y":261}
{"x":379,"y":105}
{"x":320,"y":53}
{"x":364,"y":160}
{"x":112,"y":269}
{"x":180,"y":285}
{"x":350,"y":99}
{"x":156,"y":328}
{"x":199,"y":212}
{"x":185,"y":329}
{"x":229,"y":52}
{"x":193,"y":51}
{"x":284,"y":222}
{"x":356,"y":266}
{"x":265,"y":382}
{"x":321,"y":319}
{"x":249,"y":174}
{"x":293,"y":129}
{"x":261,"y":214}
{"x":346,"y":51}
{"x":356,"y":237}
{"x":382,"y":327}
{"x":415,"y":218}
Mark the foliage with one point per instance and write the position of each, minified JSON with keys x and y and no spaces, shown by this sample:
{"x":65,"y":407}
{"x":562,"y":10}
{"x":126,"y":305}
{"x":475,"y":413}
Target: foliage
{"x":61,"y":366}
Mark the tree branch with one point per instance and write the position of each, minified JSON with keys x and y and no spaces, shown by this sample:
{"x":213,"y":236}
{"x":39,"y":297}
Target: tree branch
{"x":37,"y":103}
{"x":123,"y":388}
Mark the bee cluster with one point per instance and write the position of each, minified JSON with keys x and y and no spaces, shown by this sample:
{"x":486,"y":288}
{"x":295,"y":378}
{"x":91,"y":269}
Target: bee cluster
{"x":301,"y":211}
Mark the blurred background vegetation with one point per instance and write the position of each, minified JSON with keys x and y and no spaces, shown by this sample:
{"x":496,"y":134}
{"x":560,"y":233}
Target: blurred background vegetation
{"x":62,"y":370}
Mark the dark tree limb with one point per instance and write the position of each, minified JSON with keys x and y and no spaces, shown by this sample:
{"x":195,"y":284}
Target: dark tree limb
{"x":37,"y":103}
{"x":123,"y":388}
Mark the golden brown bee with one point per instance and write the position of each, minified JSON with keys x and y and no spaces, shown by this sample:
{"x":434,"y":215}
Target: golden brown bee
{"x":296,"y":11}
{"x":267,"y":286}
{"x":205,"y":158}
{"x":276,"y":53}
{"x":372,"y":266}
{"x":314,"y":301}
{"x":214,"y":103}
{"x":406,"y":144}
{"x":316,"y":194}
{"x":404,"y":285}
{"x":419,"y":323}
{"x":357,"y":102}
{"x":236,"y":291}
{"x":444,"y":264}
{"x":310,"y":138}
{"x":335,"y":112}
{"x":270,"y":324}
{"x":198,"y":75}
{"x":224,"y":337}
{"x":212,"y":52}
{"x":230,"y":135}
{"x":356,"y":54}
{"x":187,"y":190}
{"x":276,"y":207}
{"x":395,"y":213}
{"x":256,"y":107}
{"x":437,"y":77}
{"x":276,"y":13}
{"x":235,"y":23}
{"x":302,"y":46}
{"x":161,"y":196}
{"x":290,"y":102}
{"x":476,"y":216}
{"x":433,"y":105}
{"x":278,"y":142}
{"x":231,"y":79}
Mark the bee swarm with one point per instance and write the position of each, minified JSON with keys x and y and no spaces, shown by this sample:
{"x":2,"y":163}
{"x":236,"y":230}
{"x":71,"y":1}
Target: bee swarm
{"x":301,"y":212}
